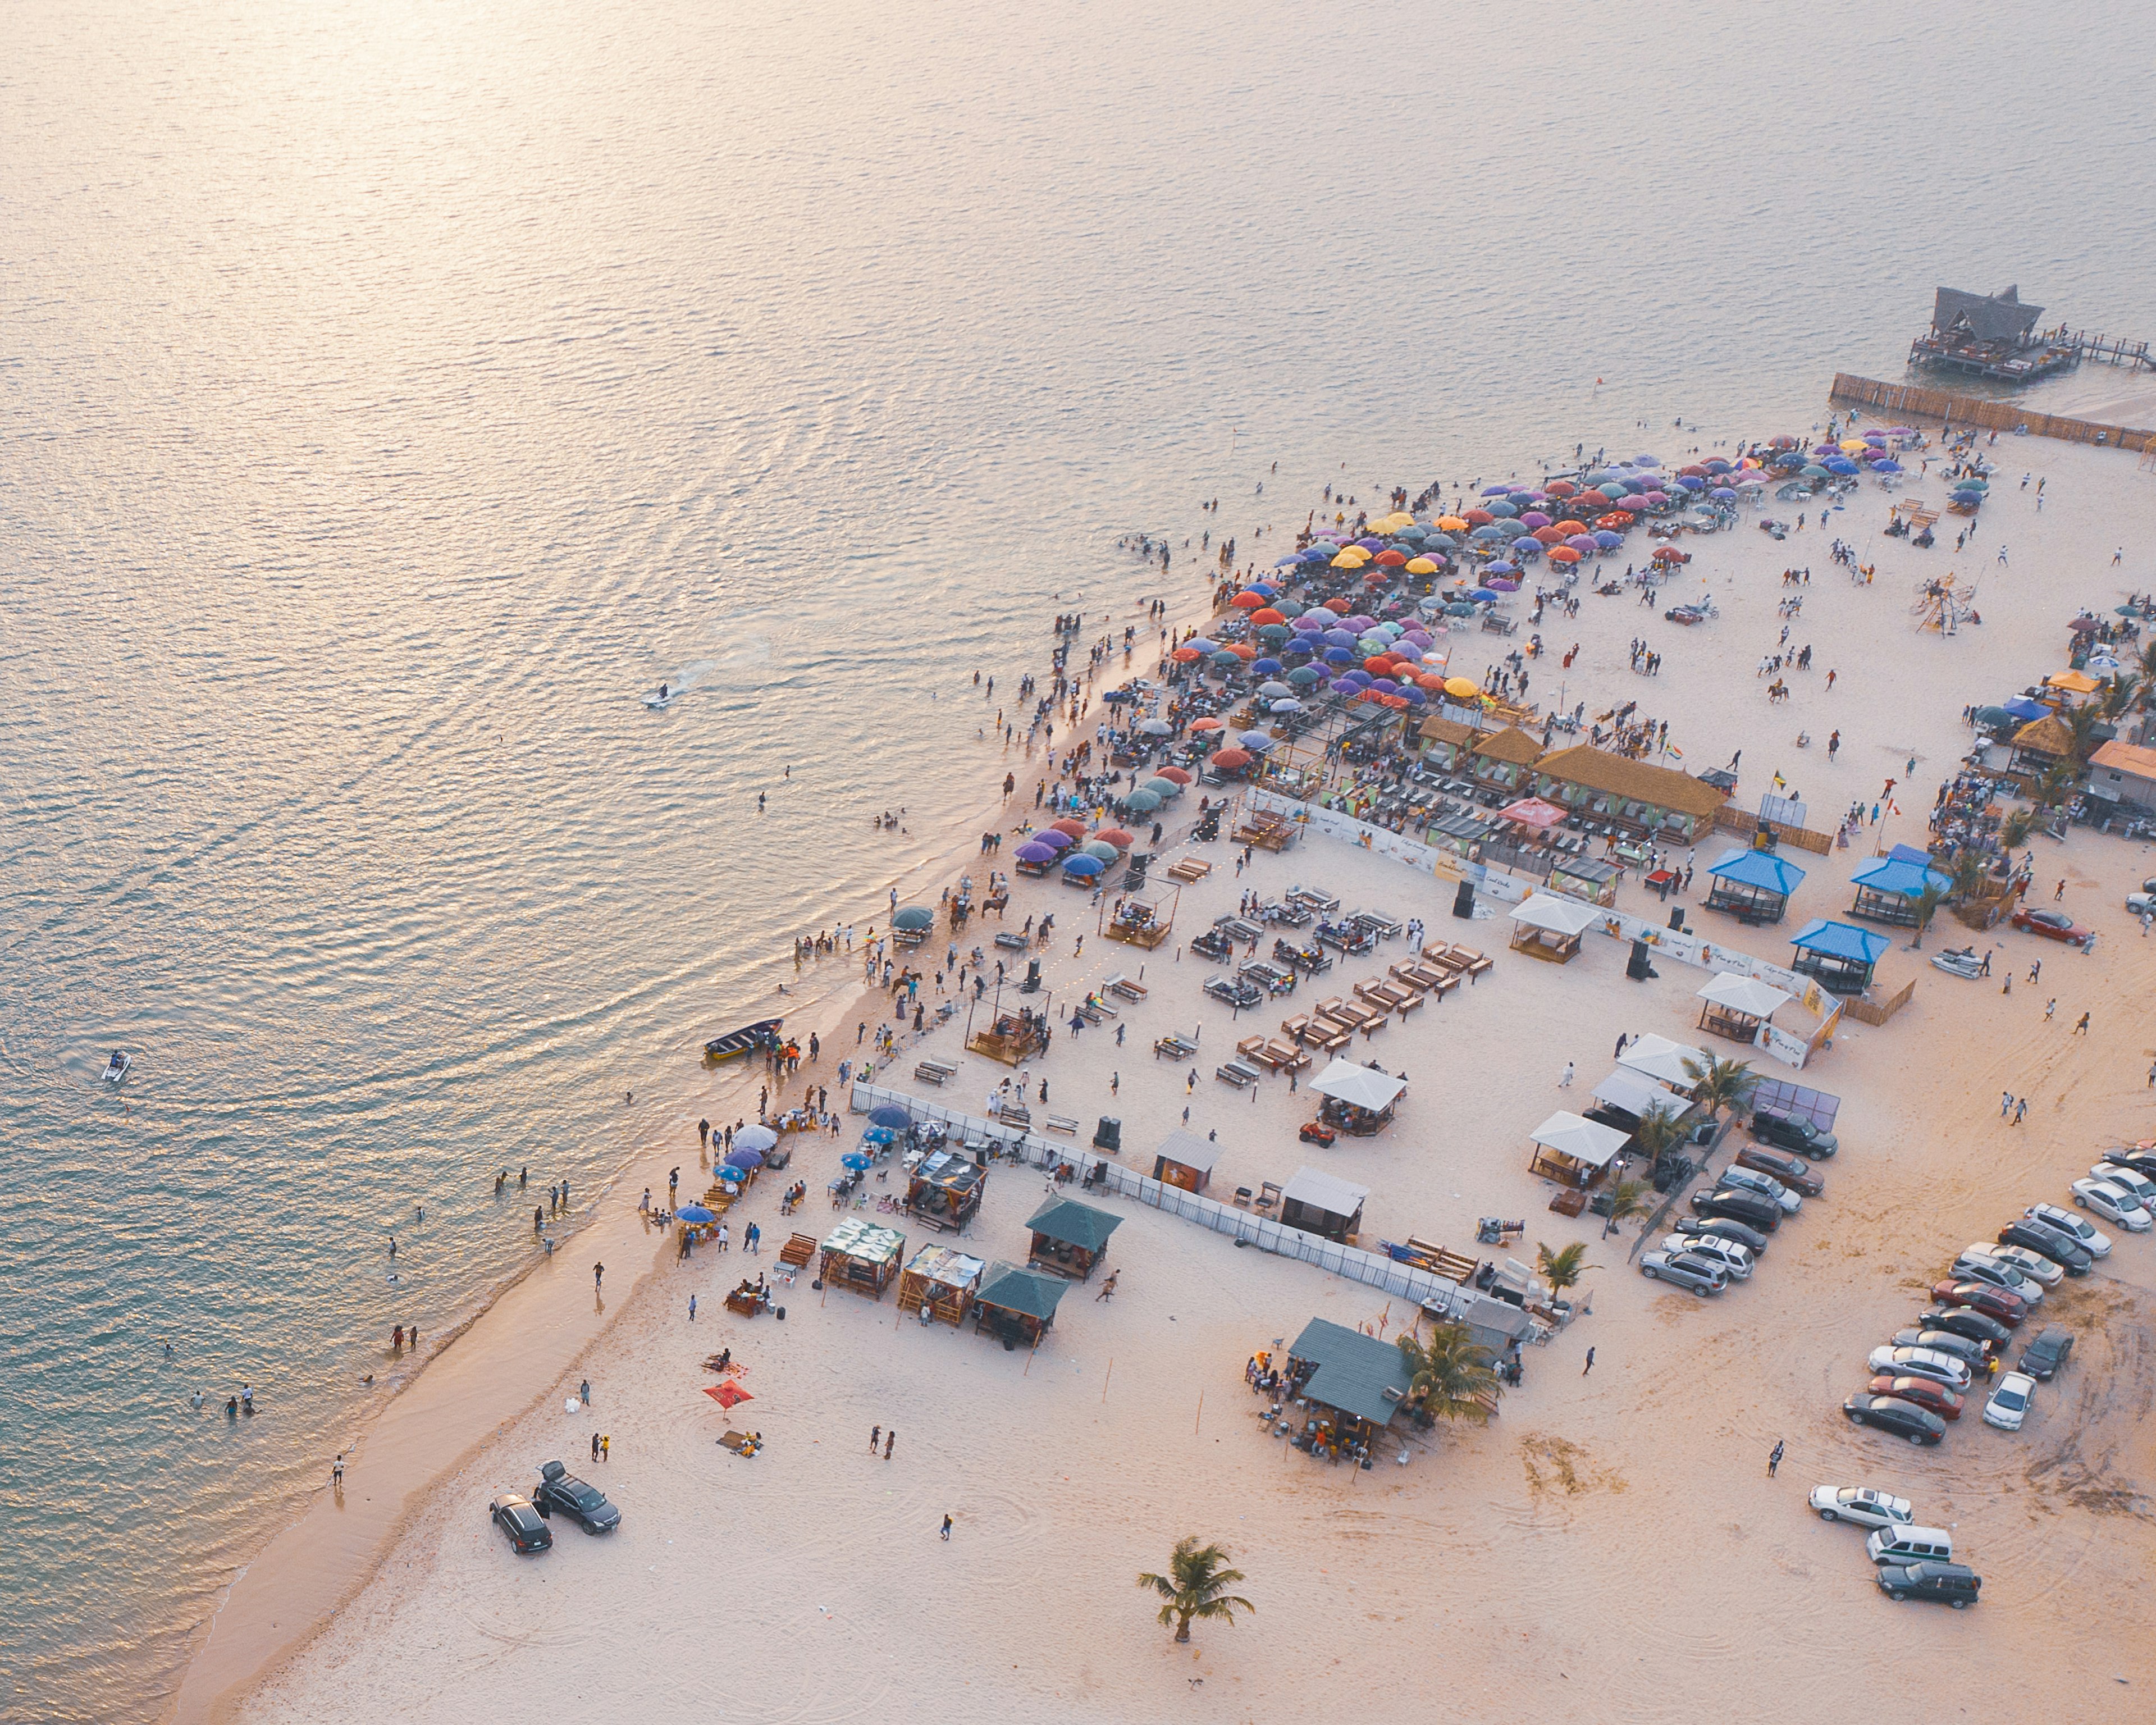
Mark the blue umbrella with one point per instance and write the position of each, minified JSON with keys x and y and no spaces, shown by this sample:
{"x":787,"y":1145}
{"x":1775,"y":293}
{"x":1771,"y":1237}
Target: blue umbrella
{"x":1085,"y":867}
{"x":1256,"y":740}
{"x":1497,"y":490}
{"x":889,"y":1114}
{"x":1457,"y":609}
{"x":855,"y":1160}
{"x":877,"y":1135}
{"x":1885,"y":464}
{"x":1840,"y":464}
{"x":1289,"y":560}
{"x":739,"y":1158}
{"x":1503,"y":508}
{"x":695,"y":1213}
{"x":1340,"y":655}
{"x":1267,"y":668}
{"x":1608,"y":541}
{"x":1524,"y":549}
{"x":1483,"y":595}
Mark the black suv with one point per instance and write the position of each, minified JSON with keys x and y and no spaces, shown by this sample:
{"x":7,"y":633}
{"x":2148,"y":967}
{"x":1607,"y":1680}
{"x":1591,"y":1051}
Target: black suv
{"x":520,"y":1523}
{"x":2070,"y":1256}
{"x":587,"y":1505}
{"x":1791,"y":1133}
{"x":1956,"y":1583}
{"x":2045,"y":1357}
{"x":1748,"y":1208}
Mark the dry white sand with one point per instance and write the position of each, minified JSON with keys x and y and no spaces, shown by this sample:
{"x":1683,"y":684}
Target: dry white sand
{"x":1611,"y":1547}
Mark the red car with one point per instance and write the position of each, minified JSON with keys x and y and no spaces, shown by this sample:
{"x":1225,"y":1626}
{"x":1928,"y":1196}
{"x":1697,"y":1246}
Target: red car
{"x":2052,"y":925}
{"x":2009,"y":1308}
{"x":1925,"y":1393}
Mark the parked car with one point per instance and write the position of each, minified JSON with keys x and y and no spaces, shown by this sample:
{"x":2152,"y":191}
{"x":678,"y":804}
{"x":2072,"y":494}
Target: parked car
{"x":2140,"y":1158}
{"x":2084,"y":1233}
{"x":1932,"y":1363}
{"x":587,"y":1505}
{"x":1747,"y":1179}
{"x":2114,"y":1203}
{"x":520,"y":1523}
{"x":1746,"y":1207}
{"x":1977,"y":1356}
{"x":2046,"y":1243}
{"x":2009,"y":1405}
{"x":1899,"y":1419}
{"x":2036,"y":1265}
{"x":1861,"y":1505}
{"x":1955,"y":1584}
{"x":2140,"y":904}
{"x":2045,"y":1357}
{"x":1792,"y":1171}
{"x":2052,"y":925}
{"x":1733,"y":1260}
{"x":1996,"y":1303}
{"x":1793,"y":1131}
{"x":1751,"y":1239}
{"x":1969,"y":1323}
{"x":1936,"y":1398}
{"x":1982,"y":1263}
{"x":1695,"y":1275}
{"x":2140,"y":1185}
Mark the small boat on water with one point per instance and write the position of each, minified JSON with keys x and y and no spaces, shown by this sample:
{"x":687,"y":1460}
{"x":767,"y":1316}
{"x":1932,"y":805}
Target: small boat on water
{"x":762,"y":1034}
{"x":662,"y":697}
{"x":116,"y":1068}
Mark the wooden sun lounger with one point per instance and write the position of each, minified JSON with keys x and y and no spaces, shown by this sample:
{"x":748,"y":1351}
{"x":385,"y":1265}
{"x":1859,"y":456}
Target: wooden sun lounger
{"x":1190,"y":869}
{"x":1473,"y":961}
{"x":798,"y":1250}
{"x":1286,"y":1057}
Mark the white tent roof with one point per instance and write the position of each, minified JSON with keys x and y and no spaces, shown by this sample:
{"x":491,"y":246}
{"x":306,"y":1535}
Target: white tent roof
{"x":1663,"y":1060}
{"x":1558,"y":916}
{"x":1584,"y":1141}
{"x":1743,"y":994}
{"x":1370,"y":1087}
{"x":1629,"y":1090}
{"x":1325,"y":1192}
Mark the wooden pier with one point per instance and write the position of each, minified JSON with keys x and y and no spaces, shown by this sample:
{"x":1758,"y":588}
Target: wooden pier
{"x":1905,"y":401}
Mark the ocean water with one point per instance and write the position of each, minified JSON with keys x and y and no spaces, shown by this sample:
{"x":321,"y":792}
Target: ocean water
{"x":390,"y":394}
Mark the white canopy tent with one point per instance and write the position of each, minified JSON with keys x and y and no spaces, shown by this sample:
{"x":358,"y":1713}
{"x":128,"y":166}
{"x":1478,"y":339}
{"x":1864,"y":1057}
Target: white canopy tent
{"x":1370,"y":1087}
{"x":1556,"y":915}
{"x":1663,"y":1060}
{"x":1631,"y":1091}
{"x":1746,"y":994}
{"x":1586,"y":1141}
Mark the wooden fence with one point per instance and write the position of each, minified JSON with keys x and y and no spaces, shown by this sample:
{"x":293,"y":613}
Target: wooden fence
{"x":1730,"y":819}
{"x":1907,"y":402}
{"x":1877,"y":1011}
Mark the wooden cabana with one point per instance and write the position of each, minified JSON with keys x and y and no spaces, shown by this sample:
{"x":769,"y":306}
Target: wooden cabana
{"x":941,"y":1284}
{"x":1140,"y":922}
{"x":863,"y":1255}
{"x":1546,"y":926}
{"x":1888,"y":890}
{"x":1354,"y":1384}
{"x":1358,"y":1099}
{"x":1318,"y":1203}
{"x":1069,"y":1238}
{"x":1015,"y":1304}
{"x":1736,"y":1006}
{"x":2040,"y":744}
{"x":1573,"y":1151}
{"x":1013,"y":1037}
{"x":1185,"y":1160}
{"x":944,"y":1191}
{"x":1753,"y":886}
{"x":1840,"y":956}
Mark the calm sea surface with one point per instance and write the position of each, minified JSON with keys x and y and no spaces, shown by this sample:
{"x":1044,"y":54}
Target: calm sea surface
{"x":390,"y":393}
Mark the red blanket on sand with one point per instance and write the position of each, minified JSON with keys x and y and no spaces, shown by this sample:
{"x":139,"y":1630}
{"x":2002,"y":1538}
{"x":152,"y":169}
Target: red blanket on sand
{"x":727,"y":1394}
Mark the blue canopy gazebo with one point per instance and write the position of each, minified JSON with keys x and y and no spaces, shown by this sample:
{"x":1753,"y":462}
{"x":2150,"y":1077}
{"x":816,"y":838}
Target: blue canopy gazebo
{"x":1753,"y":886}
{"x":1840,"y":956}
{"x":1887,"y":891}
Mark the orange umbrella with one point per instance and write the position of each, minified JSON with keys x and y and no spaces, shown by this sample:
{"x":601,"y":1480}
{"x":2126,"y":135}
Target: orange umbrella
{"x":1249,"y":601}
{"x":1204,"y":724}
{"x":1392,"y":559}
{"x":1266,"y":617}
{"x":1563,"y":554}
{"x":1567,"y":529}
{"x":1451,"y":524}
{"x":1186,"y":655}
{"x":1074,"y":829}
{"x":1176,"y":775}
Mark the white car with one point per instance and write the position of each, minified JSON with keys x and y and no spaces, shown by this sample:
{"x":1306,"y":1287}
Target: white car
{"x":2140,"y":1185}
{"x":1732,"y":1256}
{"x":2030,"y":1263}
{"x":1750,"y":1179}
{"x":1919,"y":1363}
{"x":2009,"y":1405}
{"x":1981,"y":1262}
{"x":2140,"y":904}
{"x":1861,"y":1505}
{"x":2114,"y":1203}
{"x":2092,"y":1239}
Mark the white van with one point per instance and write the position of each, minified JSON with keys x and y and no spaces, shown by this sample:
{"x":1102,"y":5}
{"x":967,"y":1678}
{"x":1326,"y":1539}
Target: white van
{"x":1908,"y":1544}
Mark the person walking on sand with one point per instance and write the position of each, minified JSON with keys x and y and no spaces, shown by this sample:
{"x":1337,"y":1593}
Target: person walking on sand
{"x":2081,"y":1025}
{"x":595,"y":1446}
{"x":2021,"y":1108}
{"x":1775,"y":1458}
{"x":2005,"y":1103}
{"x":692,"y":1308}
{"x":876,"y":1437}
{"x":2035,"y":970}
{"x":1589,"y":1366}
{"x":1564,"y":1079}
{"x":947,"y":1528}
{"x":598,"y":1276}
{"x":1618,"y":1053}
{"x":1108,"y":1288}
{"x":890,"y":1440}
{"x":2050,"y":1006}
{"x":337,"y":1473}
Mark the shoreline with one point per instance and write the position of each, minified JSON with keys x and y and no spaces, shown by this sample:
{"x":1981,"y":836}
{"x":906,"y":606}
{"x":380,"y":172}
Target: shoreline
{"x":293,"y":1587}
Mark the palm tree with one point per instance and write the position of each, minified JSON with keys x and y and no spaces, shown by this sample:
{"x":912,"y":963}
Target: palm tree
{"x":1926,"y":907}
{"x":1451,"y":1376}
{"x":2014,"y":830}
{"x":2054,"y":784}
{"x":1658,"y":1133}
{"x":1716,"y":1083}
{"x":1970,"y":872}
{"x":1196,"y":1585}
{"x":2082,"y":723}
{"x":1560,"y":1269}
{"x":2119,"y":697}
{"x":2149,"y":659}
{"x":1627,"y":1199}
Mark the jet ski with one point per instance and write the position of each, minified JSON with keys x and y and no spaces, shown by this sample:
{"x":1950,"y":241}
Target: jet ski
{"x":1963,"y":962}
{"x":663,"y":698}
{"x":116,"y":1068}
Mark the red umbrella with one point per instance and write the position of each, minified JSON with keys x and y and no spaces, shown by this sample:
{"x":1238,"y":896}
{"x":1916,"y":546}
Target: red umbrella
{"x":1117,"y":837}
{"x":1176,"y":775}
{"x":1549,"y":535}
{"x":1564,"y":554}
{"x":1338,"y":607}
{"x":1242,"y":649}
{"x":1230,"y":760}
{"x":1186,"y":655}
{"x":1201,"y":724}
{"x":1478,"y":518}
{"x":1533,"y":811}
{"x":1070,"y":829}
{"x":1268,"y":615}
{"x":1567,"y":529}
{"x":1392,"y":559}
{"x":1560,"y":488}
{"x":1249,"y":601}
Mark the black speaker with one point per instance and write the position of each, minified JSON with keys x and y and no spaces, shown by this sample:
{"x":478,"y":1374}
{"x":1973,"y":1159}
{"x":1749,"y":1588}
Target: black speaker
{"x":1108,"y":1135}
{"x":1637,"y":967}
{"x":1031,"y":985}
{"x":1463,"y":901}
{"x":1677,"y":918}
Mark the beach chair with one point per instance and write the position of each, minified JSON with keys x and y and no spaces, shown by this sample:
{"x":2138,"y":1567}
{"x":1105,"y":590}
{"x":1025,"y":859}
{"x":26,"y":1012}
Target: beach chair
{"x":1242,"y":1198}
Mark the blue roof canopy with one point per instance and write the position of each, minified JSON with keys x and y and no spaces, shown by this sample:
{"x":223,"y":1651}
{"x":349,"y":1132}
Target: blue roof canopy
{"x":1838,"y":940}
{"x":1894,"y":874}
{"x":1761,"y":869}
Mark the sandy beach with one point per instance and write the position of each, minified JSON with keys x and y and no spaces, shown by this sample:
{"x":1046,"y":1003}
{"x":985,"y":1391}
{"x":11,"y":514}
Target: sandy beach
{"x":1610,"y":1546}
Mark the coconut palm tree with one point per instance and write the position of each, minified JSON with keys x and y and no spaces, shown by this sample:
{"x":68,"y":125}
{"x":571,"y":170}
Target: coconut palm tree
{"x":1450,"y":1376}
{"x":1970,"y":872}
{"x":1926,"y":907}
{"x":2149,"y":659}
{"x":2082,"y":723}
{"x":1196,"y":1585}
{"x":1658,"y":1133}
{"x":1560,"y":1269}
{"x":2054,"y":784}
{"x":2119,"y":697}
{"x":1716,"y":1083}
{"x":1627,"y":1199}
{"x":2014,"y":830}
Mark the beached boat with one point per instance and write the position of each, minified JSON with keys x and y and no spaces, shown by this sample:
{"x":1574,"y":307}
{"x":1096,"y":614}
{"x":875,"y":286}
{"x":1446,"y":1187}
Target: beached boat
{"x":762,"y":1034}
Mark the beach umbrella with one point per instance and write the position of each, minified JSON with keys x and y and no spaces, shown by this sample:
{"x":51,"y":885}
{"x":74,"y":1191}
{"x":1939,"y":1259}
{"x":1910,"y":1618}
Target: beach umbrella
{"x":914,"y":919}
{"x":1084,"y":868}
{"x":1167,"y":789}
{"x":1564,"y":554}
{"x":1724,"y":492}
{"x":891,"y":1114}
{"x":1173,"y":775}
{"x":855,"y":1160}
{"x":1524,"y":548}
{"x":1273,"y":689}
{"x":1385,"y":686}
{"x":1391,"y":559}
{"x":1249,"y":601}
{"x":695,"y":1213}
{"x":1513,"y":529}
{"x":742,"y":1158}
{"x":1422,"y":566}
{"x":1302,"y":676}
{"x":1231,"y":760}
{"x":1289,"y":560}
{"x":1535,"y":518}
{"x":1487,"y":534}
{"x":760,"y":1138}
{"x":1186,"y":655}
{"x":1840,"y":464}
{"x":1115,"y":836}
{"x":1887,"y":464}
{"x":1266,"y":667}
{"x":1495,"y":490}
{"x":1138,"y":802}
{"x":1453,"y":524}
{"x":1224,"y":661}
{"x":1462,"y":688}
{"x":1100,"y":850}
{"x":1053,"y":841}
{"x":1483,"y":595}
{"x":1349,"y":560}
{"x":1200,"y":726}
{"x":1155,"y":728}
{"x":1437,"y":542}
{"x":1560,"y":488}
{"x":2023,"y":708}
{"x":1408,"y":651}
{"x":1457,"y":609}
{"x":1582,"y":542}
{"x":1030,"y":852}
{"x":1501,"y":508}
{"x":1993,"y":718}
{"x":1070,"y":826}
{"x":1370,"y":543}
{"x":1506,"y":583}
{"x":1288,"y":703}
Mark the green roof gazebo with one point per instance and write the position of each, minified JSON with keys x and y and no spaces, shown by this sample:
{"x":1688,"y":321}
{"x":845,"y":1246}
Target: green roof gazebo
{"x":1015,"y":1304}
{"x":1069,"y":1238}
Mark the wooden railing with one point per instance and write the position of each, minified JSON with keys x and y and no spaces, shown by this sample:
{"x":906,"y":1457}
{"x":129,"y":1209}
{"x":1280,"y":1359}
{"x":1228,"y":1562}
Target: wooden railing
{"x":1906,"y":401}
{"x":1877,"y":1011}
{"x":1730,"y":819}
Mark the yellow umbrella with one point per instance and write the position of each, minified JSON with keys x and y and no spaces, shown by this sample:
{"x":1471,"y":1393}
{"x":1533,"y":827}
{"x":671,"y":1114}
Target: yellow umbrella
{"x":1421,"y":566}
{"x":1348,"y":560}
{"x":1854,"y":446}
{"x":1463,"y":687}
{"x":1451,"y":524}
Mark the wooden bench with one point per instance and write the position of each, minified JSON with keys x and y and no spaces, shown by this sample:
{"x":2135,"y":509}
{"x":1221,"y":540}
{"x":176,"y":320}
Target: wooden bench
{"x":1472,"y":961}
{"x":1060,"y":1124}
{"x":1124,"y":986}
{"x":798,"y":1250}
{"x":936,"y":1071}
{"x":1236,"y":1073}
{"x":1250,"y":1048}
{"x":1286,"y":1057}
{"x":1327,"y":1034}
{"x":1190,"y":869}
{"x":1295,"y":1026}
{"x":1174,"y":1047}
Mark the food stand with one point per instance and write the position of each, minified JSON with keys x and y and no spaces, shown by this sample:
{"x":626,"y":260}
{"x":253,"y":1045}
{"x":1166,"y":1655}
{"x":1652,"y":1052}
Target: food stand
{"x":1185,"y":1160}
{"x":863,"y":1255}
{"x":1753,"y":886}
{"x":940,"y":1284}
{"x":1737,"y":1005}
{"x":1548,"y":927}
{"x":912,"y":926}
{"x":1015,"y":1304}
{"x":1572,"y":1151}
{"x":944,"y":1189}
{"x":1353,"y":1384}
{"x":1069,"y":1238}
{"x":1318,"y":1203}
{"x":1358,"y":1099}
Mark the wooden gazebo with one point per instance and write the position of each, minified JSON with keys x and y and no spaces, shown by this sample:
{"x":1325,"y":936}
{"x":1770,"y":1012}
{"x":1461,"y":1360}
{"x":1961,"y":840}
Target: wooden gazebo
{"x":1017,"y":1305}
{"x":945,"y":1191}
{"x":1753,"y":886}
{"x":941,"y":1284}
{"x":1069,"y":1238}
{"x":1891,"y":889}
{"x":1840,"y":956}
{"x":863,"y":1255}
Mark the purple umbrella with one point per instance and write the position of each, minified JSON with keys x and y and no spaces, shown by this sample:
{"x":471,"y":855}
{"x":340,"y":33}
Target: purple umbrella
{"x":1049,"y":837}
{"x":1032,"y":852}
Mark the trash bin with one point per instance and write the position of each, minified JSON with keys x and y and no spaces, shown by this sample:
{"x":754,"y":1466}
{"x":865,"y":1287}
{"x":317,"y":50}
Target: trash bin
{"x":1108,"y":1135}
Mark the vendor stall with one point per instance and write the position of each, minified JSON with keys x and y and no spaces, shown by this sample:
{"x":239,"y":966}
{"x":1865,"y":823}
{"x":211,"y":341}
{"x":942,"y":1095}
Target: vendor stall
{"x":1891,"y":888}
{"x":1840,"y":956}
{"x":1321,"y":1203}
{"x":1737,"y":1005}
{"x":912,"y":926}
{"x":1353,"y":1384}
{"x":1069,"y":1238}
{"x":1664,"y":1061}
{"x":940,"y":1284}
{"x":1584,"y":877}
{"x":1185,"y":1160}
{"x":1753,"y":886}
{"x":1572,"y":1151}
{"x":1140,"y":922}
{"x":863,"y":1255}
{"x":944,"y":1189}
{"x":1357,"y":1100}
{"x":1015,"y":1304}
{"x":1546,"y":926}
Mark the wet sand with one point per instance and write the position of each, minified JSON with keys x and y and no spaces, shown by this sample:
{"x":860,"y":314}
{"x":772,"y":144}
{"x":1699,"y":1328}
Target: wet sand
{"x":1610,"y":1548}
